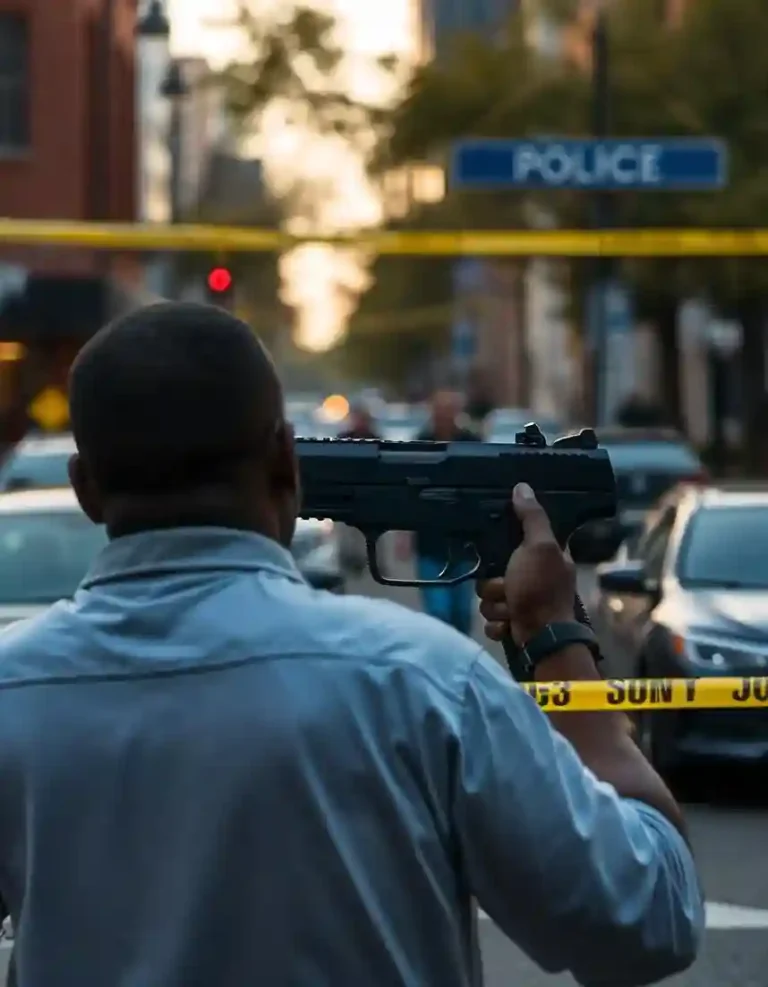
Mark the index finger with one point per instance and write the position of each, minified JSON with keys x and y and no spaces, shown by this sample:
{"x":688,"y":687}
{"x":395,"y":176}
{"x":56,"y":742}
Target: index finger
{"x":491,"y":590}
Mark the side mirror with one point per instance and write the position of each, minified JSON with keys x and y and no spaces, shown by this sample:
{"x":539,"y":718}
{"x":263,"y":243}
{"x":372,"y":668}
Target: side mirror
{"x":626,"y":579}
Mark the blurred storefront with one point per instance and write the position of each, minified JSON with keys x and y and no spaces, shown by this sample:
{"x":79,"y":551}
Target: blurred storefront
{"x":67,"y":152}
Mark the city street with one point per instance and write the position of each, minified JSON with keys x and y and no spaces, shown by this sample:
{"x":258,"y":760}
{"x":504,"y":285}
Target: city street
{"x":728,"y":826}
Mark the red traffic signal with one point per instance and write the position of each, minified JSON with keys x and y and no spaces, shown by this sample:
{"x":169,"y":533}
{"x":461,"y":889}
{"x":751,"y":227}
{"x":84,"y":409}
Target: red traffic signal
{"x":219,"y":280}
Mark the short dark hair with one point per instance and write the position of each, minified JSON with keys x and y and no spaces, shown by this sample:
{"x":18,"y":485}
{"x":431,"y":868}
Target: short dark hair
{"x":172,"y":396}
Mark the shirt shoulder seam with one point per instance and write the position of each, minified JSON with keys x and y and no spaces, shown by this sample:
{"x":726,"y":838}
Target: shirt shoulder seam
{"x":218,"y":666}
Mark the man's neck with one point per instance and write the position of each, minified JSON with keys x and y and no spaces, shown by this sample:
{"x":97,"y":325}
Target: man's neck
{"x":132,"y":516}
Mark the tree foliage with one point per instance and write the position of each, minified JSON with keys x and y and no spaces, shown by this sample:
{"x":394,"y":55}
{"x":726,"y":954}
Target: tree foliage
{"x":706,"y":76}
{"x":406,"y":314}
{"x":477,"y":90}
{"x":295,"y":58}
{"x":482,"y":89}
{"x":294,"y":79}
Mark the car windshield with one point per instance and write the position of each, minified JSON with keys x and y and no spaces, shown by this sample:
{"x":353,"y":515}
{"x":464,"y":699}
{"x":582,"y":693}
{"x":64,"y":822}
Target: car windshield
{"x":312,"y":429}
{"x":402,"y":421}
{"x":726,"y":547}
{"x":673,"y":457}
{"x":35,"y":471}
{"x":45,"y":555}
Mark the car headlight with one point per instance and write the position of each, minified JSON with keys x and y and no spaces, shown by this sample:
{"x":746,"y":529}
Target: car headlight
{"x":315,"y":546}
{"x":716,"y":654}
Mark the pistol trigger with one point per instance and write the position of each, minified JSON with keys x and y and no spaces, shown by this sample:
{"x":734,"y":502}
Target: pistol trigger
{"x":460,"y":554}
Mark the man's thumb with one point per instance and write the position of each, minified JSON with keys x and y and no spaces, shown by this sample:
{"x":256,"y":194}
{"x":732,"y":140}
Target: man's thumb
{"x":533,"y":517}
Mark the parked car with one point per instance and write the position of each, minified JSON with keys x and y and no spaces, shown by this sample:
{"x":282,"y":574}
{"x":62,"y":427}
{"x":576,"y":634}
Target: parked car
{"x":692,"y":601}
{"x":46,"y":547}
{"x":37,"y":461}
{"x":312,"y":428}
{"x":647,"y":464}
{"x":40,"y":463}
{"x":402,"y":422}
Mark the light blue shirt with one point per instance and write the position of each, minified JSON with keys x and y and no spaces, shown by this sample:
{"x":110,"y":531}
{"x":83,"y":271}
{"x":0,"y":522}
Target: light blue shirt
{"x":211,"y":774}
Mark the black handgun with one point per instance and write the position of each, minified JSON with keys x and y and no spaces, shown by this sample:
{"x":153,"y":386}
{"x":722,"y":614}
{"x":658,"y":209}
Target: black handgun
{"x":460,"y":491}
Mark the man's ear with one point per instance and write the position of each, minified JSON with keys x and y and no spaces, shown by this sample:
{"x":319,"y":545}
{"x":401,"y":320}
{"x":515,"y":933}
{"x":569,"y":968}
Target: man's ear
{"x":85,"y":490}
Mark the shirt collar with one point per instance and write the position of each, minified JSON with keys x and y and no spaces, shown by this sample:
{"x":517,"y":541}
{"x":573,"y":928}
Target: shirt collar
{"x":173,"y":551}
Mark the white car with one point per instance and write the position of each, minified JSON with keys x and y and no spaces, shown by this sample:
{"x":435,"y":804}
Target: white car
{"x":402,"y":422}
{"x":37,"y":461}
{"x":47,"y":546}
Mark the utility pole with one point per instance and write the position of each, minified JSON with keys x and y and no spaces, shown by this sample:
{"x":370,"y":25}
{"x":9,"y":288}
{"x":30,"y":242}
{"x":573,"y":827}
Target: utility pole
{"x":602,"y":218}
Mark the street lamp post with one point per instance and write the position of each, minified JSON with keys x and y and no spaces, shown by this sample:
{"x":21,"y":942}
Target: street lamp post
{"x":153,"y":34}
{"x":174,"y":89}
{"x":154,"y":23}
{"x":154,"y":28}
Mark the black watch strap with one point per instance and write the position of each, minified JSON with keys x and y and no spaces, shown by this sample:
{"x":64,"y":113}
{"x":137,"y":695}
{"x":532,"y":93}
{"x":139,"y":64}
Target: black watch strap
{"x":555,"y":637}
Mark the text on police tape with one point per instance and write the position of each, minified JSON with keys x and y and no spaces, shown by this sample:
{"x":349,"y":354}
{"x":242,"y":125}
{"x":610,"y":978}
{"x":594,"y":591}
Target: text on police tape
{"x":630,"y":694}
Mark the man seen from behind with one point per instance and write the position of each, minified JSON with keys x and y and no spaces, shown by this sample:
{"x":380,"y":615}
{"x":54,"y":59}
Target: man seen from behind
{"x":213,"y":774}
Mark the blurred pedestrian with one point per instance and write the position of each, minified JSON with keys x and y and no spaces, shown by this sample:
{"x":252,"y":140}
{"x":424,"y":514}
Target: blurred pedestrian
{"x":352,"y":548}
{"x":451,"y":604}
{"x":213,"y":774}
{"x":479,"y":402}
{"x":360,"y":424}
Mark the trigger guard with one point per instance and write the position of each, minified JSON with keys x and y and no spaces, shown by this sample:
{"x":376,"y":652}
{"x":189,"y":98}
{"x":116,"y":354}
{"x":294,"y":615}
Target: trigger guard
{"x":370,"y":552}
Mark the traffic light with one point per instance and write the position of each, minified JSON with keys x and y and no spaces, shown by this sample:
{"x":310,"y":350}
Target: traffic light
{"x":220,"y":287}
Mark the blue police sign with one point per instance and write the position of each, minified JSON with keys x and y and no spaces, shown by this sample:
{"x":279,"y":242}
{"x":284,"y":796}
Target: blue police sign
{"x":689,"y":164}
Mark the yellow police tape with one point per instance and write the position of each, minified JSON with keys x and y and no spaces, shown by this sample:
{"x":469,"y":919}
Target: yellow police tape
{"x":420,"y":243}
{"x":657,"y":694}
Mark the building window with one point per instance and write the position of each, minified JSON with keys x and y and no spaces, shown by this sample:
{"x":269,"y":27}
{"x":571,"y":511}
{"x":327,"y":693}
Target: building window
{"x":14,"y":82}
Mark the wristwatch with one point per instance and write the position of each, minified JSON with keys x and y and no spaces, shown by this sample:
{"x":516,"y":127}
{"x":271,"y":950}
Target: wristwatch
{"x":554,"y":637}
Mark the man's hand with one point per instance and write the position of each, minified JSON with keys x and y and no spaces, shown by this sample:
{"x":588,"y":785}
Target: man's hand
{"x":540,"y":583}
{"x":538,"y":589}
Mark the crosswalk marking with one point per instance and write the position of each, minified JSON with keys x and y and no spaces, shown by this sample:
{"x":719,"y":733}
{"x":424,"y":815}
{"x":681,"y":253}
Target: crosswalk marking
{"x":720,"y":917}
{"x":729,"y":917}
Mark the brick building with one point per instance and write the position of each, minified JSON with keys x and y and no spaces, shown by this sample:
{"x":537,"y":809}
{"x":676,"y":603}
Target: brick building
{"x":67,"y":152}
